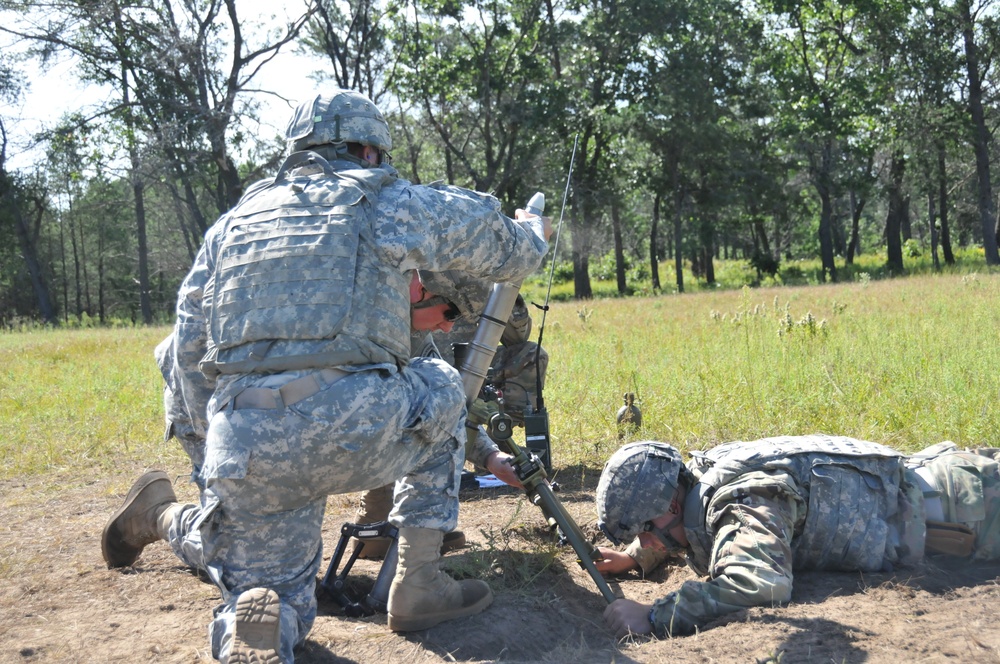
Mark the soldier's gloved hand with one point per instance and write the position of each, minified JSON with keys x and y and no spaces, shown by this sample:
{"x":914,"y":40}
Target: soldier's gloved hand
{"x":481,"y":411}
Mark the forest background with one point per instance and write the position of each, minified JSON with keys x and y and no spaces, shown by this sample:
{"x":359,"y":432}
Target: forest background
{"x":713,"y":142}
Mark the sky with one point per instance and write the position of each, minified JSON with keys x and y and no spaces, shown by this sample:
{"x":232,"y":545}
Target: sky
{"x":54,"y":91}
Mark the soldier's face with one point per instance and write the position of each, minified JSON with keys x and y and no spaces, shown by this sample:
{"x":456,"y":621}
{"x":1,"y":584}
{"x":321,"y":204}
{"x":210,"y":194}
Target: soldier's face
{"x":436,"y":317}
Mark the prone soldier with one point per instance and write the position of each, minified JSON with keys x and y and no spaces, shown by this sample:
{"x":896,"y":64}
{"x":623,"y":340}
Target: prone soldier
{"x":749,"y":514}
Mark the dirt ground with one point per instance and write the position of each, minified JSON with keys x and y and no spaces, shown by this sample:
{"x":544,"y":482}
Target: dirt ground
{"x":58,"y":602}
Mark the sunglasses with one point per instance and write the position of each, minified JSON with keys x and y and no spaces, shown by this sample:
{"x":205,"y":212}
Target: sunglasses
{"x":451,"y":314}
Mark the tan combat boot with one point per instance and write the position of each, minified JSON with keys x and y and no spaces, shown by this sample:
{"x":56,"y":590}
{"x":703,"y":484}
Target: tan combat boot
{"x":141,"y":520}
{"x":257,"y":638}
{"x":422,"y":595}
{"x":375,"y":507}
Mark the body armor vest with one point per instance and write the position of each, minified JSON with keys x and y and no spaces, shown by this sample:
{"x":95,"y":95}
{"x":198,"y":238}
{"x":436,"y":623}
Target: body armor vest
{"x":853,"y":491}
{"x":298,"y":283}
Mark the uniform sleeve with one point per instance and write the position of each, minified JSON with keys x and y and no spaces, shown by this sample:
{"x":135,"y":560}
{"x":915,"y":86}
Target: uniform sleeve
{"x":191,"y":340}
{"x":440,"y":228}
{"x":479,"y":446}
{"x":751,"y":565}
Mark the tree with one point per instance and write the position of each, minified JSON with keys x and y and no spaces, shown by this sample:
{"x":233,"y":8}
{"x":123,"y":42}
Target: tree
{"x":13,"y":208}
{"x":474,"y":73}
{"x":976,"y":62}
{"x":174,"y":84}
{"x":356,"y":38}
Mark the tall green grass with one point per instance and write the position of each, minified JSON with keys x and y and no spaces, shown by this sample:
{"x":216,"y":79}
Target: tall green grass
{"x":80,"y":400}
{"x":906,"y":362}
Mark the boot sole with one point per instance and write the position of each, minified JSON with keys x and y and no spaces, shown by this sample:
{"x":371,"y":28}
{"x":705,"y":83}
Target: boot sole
{"x":115,"y":552}
{"x":426,"y":621}
{"x":257,"y":638}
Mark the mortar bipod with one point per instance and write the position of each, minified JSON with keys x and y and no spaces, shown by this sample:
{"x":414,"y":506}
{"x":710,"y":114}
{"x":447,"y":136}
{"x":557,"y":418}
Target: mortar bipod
{"x":334,"y":583}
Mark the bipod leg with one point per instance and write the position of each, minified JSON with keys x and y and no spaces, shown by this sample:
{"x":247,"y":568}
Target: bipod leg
{"x":532,"y":475}
{"x":334,"y":583}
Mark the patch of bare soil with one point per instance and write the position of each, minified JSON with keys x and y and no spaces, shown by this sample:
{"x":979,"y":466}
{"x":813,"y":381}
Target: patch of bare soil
{"x":58,"y":602}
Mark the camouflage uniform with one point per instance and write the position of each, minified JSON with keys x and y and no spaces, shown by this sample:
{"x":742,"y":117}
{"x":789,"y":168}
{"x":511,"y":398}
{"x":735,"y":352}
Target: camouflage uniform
{"x":178,"y":422}
{"x":759,"y":510}
{"x":255,"y":318}
{"x":509,"y":371}
{"x":516,"y":373}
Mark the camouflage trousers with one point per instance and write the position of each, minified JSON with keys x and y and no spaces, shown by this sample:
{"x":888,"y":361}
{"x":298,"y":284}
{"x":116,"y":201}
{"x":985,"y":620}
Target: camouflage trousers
{"x":267,"y":474}
{"x":179,"y":426}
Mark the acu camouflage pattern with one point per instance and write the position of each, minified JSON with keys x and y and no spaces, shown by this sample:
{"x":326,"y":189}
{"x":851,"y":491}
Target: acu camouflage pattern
{"x":299,"y":282}
{"x":468,"y":294}
{"x":178,"y":422}
{"x":376,"y":504}
{"x":761,"y":509}
{"x":968,"y":484}
{"x":343,"y":117}
{"x":637,"y":484}
{"x":518,"y":368}
{"x":267,"y":472}
{"x":517,"y":371}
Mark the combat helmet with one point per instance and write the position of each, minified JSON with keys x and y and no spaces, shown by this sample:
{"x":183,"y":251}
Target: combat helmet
{"x":343,"y":117}
{"x":518,"y":328}
{"x":467,"y":293}
{"x":637,"y":485}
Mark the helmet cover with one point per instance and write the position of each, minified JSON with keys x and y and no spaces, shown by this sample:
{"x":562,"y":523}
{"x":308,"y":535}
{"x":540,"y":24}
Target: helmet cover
{"x":345,"y":116}
{"x":518,"y":328}
{"x":637,"y":485}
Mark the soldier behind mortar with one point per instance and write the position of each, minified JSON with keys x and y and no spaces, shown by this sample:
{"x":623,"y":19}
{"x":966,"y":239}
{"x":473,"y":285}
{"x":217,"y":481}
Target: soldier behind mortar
{"x":514,"y":364}
{"x":291,"y":355}
{"x":518,"y":368}
{"x":749,"y":514}
{"x":470,"y":297}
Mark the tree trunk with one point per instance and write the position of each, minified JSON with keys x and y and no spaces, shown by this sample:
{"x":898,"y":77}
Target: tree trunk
{"x":760,"y":237}
{"x":679,"y":239}
{"x":616,"y":231}
{"x":654,"y":258}
{"x":856,"y":208}
{"x":581,"y":260}
{"x":77,"y":281}
{"x":905,"y":225}
{"x":981,"y":136}
{"x":29,"y":251}
{"x":932,"y":222}
{"x":138,"y":192}
{"x":65,"y":281}
{"x":822,"y":180}
{"x":949,"y":256}
{"x":894,"y":247}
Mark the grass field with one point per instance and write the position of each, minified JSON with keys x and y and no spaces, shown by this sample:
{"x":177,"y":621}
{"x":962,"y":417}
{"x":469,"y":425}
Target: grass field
{"x":906,"y":362}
